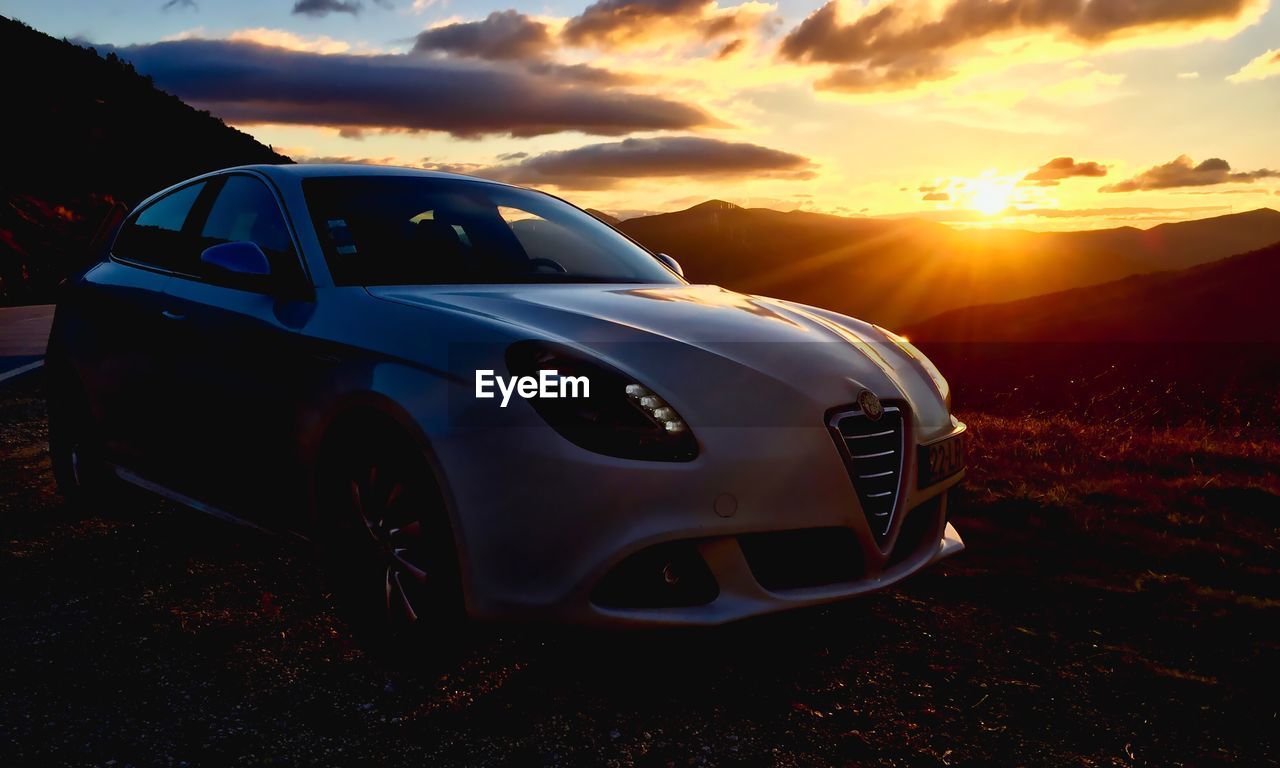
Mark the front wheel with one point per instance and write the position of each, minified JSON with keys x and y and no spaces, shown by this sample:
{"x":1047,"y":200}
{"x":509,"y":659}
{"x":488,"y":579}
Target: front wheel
{"x":387,"y":543}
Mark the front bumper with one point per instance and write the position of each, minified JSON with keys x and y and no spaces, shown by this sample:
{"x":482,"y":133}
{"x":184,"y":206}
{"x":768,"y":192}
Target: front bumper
{"x":742,"y":595}
{"x":541,"y":544}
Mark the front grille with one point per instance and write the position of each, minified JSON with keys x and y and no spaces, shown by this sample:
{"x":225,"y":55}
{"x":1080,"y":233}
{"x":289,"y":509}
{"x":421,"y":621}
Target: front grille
{"x":873,"y":453}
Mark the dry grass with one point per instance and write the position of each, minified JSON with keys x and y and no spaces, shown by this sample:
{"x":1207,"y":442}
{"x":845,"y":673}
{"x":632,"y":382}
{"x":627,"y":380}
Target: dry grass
{"x":1115,"y":607}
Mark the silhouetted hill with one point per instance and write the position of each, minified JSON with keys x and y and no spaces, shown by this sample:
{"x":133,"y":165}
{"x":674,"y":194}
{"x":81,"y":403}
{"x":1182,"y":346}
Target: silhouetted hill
{"x":1232,"y":300}
{"x":612,"y":221}
{"x":83,"y":132}
{"x":898,"y":271}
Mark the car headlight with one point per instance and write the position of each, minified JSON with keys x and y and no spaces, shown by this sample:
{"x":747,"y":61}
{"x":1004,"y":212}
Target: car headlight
{"x":619,"y":416}
{"x":939,"y":381}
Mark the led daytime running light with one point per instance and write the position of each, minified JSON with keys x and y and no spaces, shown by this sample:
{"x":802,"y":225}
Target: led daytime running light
{"x":656,"y":408}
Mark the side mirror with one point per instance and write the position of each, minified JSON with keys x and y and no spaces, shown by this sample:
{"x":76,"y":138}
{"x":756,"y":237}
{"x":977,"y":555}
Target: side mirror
{"x":671,"y":263}
{"x":239,"y":258}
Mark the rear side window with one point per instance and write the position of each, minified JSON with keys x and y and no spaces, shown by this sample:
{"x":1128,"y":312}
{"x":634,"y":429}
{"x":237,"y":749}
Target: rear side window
{"x":155,"y":236}
{"x":246,"y":211}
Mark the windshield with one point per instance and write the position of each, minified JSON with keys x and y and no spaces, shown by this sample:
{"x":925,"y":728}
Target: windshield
{"x":407,"y":230}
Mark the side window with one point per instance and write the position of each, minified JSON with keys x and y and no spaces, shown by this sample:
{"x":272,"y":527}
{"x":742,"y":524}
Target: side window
{"x":246,"y":211}
{"x":155,"y":236}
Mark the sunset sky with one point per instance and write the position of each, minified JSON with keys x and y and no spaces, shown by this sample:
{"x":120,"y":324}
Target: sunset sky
{"x":1041,"y":114}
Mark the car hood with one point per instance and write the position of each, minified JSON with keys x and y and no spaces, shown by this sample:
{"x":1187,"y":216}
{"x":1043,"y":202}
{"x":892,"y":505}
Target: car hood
{"x":699,"y":342}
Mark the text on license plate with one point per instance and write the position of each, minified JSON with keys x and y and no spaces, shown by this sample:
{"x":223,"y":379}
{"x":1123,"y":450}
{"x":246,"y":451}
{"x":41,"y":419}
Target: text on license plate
{"x":940,"y":460}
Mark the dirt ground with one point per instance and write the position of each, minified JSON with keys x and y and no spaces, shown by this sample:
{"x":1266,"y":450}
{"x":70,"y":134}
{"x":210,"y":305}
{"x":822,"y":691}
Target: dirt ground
{"x":1117,"y":606}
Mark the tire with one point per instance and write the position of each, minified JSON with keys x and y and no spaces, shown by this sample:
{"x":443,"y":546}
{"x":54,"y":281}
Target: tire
{"x":387,"y":545}
{"x":76,"y":448}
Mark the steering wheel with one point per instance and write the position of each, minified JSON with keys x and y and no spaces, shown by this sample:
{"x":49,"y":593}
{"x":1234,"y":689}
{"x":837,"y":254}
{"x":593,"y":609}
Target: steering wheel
{"x":549,"y":264}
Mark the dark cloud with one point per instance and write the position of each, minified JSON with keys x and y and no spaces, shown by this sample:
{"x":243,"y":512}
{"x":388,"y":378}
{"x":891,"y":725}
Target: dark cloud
{"x":1184,"y":172}
{"x":508,"y":156}
{"x":607,"y":23}
{"x":248,"y":83}
{"x":891,"y":48}
{"x":936,"y":196}
{"x":923,"y":188}
{"x":1226,"y":192}
{"x":599,"y":166}
{"x":319,"y":8}
{"x":501,"y":35}
{"x":900,"y":75}
{"x":180,"y":5}
{"x":1059,"y":168}
{"x":730,"y":48}
{"x":583,"y":74}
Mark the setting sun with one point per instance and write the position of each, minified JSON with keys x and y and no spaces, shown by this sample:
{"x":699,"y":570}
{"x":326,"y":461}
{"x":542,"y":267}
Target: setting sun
{"x":990,"y":196}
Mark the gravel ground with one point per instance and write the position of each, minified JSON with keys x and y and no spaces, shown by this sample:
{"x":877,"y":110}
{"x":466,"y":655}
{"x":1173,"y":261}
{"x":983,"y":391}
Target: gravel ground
{"x":1094,"y":621}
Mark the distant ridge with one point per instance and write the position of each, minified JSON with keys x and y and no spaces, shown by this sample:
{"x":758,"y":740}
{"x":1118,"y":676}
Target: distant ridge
{"x":1232,"y":300}
{"x":900,"y":271}
{"x":612,"y":221}
{"x":84,"y":132}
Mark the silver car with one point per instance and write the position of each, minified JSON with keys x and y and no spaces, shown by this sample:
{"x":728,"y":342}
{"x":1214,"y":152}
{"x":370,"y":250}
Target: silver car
{"x":480,"y":400}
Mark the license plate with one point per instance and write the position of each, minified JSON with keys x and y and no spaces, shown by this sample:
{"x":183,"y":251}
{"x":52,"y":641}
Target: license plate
{"x":940,"y":460}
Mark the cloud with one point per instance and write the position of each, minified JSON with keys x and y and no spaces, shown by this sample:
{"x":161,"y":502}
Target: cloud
{"x":1183,"y":172}
{"x":903,"y":74}
{"x":172,"y":5}
{"x":280,"y":38}
{"x":320,"y":8}
{"x":248,"y":83}
{"x":624,"y":23}
{"x":343,"y":160}
{"x":897,"y":44}
{"x":1052,"y":172}
{"x":730,"y":48}
{"x":937,"y":196}
{"x":1188,"y":75}
{"x":601,"y":166}
{"x":501,"y":35}
{"x":1262,"y":67}
{"x":582,"y":74}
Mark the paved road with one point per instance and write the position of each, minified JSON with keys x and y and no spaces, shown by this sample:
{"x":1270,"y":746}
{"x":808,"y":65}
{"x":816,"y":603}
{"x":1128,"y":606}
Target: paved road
{"x":24,"y":332}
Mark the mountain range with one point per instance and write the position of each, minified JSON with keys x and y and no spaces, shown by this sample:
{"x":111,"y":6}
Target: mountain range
{"x":896,"y":272}
{"x":1233,"y":300}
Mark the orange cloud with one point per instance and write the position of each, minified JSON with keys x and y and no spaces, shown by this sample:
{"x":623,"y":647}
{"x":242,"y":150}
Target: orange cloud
{"x":898,"y":44}
{"x":625,"y":23}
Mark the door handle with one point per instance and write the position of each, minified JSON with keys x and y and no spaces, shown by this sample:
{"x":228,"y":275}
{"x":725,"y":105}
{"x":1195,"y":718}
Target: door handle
{"x":169,"y":314}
